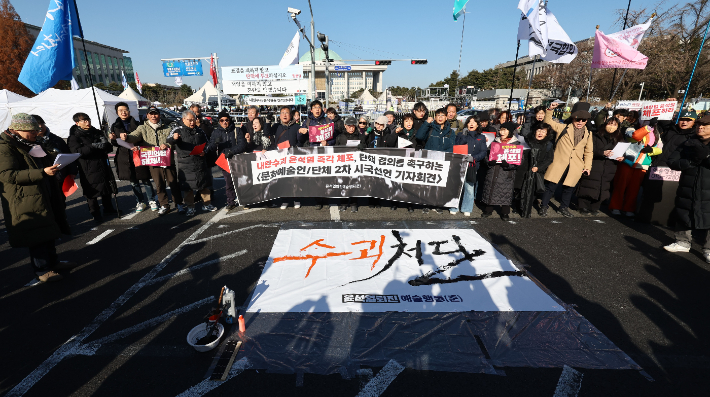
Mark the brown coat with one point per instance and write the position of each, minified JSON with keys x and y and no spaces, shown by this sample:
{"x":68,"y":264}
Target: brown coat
{"x":577,"y":158}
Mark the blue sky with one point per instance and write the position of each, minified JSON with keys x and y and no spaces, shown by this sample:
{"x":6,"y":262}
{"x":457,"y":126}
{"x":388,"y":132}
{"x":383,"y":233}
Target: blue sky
{"x":258,"y":32}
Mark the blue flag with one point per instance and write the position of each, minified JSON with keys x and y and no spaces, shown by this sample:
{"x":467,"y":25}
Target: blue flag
{"x":52,"y":56}
{"x":459,"y":8}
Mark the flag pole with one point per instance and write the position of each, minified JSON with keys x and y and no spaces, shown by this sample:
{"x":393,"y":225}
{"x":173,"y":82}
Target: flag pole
{"x":515,"y":69}
{"x":463,"y":26}
{"x":91,"y":80}
{"x":687,"y":88}
{"x":613,"y":80}
{"x":532,"y":73}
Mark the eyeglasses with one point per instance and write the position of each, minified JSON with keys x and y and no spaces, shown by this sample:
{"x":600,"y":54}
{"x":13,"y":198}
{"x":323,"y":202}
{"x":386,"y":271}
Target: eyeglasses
{"x":154,"y":113}
{"x":361,"y":123}
{"x":582,"y":120}
{"x":224,"y":121}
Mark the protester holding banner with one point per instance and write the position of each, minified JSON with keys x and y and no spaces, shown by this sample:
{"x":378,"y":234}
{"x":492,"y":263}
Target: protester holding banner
{"x":125,"y":168}
{"x":315,"y":118}
{"x":476,"y":147}
{"x":259,"y":139}
{"x":351,"y":133}
{"x":437,"y":133}
{"x":376,"y":137}
{"x":529,"y":177}
{"x":406,"y":132}
{"x":194,"y":174}
{"x":363,"y":125}
{"x":338,"y":123}
{"x":392,"y":128}
{"x":155,"y":134}
{"x":595,"y":188}
{"x":252,"y":113}
{"x":226,"y":139}
{"x":500,"y":179}
{"x":96,"y":177}
{"x":421,"y":113}
{"x":573,"y":156}
{"x":692,"y":206}
{"x":672,"y":136}
{"x":32,"y":201}
{"x":630,"y":173}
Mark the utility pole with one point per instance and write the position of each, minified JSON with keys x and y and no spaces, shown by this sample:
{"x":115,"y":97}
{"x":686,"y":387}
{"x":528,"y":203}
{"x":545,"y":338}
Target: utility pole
{"x":294,"y":12}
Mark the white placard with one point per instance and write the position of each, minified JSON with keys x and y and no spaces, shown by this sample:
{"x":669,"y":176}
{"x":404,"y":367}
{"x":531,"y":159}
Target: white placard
{"x":64,"y":160}
{"x":632,"y":105}
{"x":274,"y":72}
{"x":619,"y":150}
{"x":380,"y":270}
{"x":270,"y":101}
{"x":401,"y":142}
{"x":662,"y":110}
{"x":121,"y":142}
{"x":265,"y":87}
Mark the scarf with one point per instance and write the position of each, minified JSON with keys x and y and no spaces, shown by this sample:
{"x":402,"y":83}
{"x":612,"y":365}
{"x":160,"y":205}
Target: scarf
{"x":154,"y":126}
{"x":21,"y":139}
{"x":578,"y":135}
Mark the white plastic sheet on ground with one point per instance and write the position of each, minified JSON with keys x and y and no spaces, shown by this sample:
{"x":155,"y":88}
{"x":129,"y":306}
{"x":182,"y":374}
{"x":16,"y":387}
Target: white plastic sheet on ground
{"x":379,"y":270}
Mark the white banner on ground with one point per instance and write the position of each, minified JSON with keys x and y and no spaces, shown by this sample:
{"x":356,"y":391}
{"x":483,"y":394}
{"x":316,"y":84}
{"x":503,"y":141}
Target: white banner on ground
{"x":265,"y":87}
{"x":275,"y":72}
{"x":270,"y":101}
{"x":373,"y":270}
{"x":662,"y":110}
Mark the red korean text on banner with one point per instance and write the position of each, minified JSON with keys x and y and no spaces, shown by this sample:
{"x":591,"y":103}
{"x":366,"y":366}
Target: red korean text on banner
{"x":461,"y":149}
{"x":197,"y":150}
{"x":320,"y":133}
{"x":512,"y":154}
{"x":152,"y":155}
{"x":69,"y":186}
{"x":222,"y":162}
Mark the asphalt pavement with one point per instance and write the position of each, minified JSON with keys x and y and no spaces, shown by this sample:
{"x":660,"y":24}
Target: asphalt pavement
{"x":117,"y":324}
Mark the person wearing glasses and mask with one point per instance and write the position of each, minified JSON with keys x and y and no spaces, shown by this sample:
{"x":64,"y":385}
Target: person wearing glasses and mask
{"x":573,"y":155}
{"x":228,"y":140}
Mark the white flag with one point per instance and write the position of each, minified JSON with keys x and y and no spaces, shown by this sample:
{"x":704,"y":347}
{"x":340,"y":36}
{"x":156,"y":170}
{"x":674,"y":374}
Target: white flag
{"x":534,"y":12}
{"x":74,"y":84}
{"x":560,"y":49}
{"x":291,"y":55}
{"x":178,"y":81}
{"x":633,"y":35}
{"x":123,"y":80}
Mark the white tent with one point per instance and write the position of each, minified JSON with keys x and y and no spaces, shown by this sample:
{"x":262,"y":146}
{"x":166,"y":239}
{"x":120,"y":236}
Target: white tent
{"x":207,"y":94}
{"x":7,"y":97}
{"x":131,"y":95}
{"x":57,"y":107}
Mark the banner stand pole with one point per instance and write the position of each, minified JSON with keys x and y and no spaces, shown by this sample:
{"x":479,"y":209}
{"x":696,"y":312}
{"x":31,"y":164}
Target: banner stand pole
{"x":515,"y":69}
{"x":613,"y":80}
{"x":91,"y":80}
{"x":687,"y":88}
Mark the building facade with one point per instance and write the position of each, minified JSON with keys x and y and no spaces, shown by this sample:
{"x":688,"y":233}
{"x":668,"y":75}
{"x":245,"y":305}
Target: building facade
{"x":343,"y":83}
{"x":104,"y":63}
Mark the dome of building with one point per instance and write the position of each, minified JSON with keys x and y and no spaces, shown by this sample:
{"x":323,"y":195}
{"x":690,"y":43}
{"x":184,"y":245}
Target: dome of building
{"x":320,"y":56}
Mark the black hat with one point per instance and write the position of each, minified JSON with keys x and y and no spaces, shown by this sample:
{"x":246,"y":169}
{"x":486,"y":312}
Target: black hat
{"x":389,"y":112}
{"x":510,"y":126}
{"x":152,"y":109}
{"x":350,"y":120}
{"x":484,"y":116}
{"x":580,"y":110}
{"x":223,"y":113}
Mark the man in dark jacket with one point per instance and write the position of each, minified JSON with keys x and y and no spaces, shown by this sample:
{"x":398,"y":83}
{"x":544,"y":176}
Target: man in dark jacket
{"x":125,"y":167}
{"x":287,"y":131}
{"x":692,"y":203}
{"x":193,"y":171}
{"x":228,"y":140}
{"x":406,"y":132}
{"x":376,"y":137}
{"x":454,"y":123}
{"x":437,"y":133}
{"x":30,"y":221}
{"x":96,"y":177}
{"x":351,"y":135}
{"x":315,"y":117}
{"x":333,"y":115}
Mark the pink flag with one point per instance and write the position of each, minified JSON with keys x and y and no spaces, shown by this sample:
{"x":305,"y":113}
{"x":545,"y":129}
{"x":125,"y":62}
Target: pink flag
{"x":610,"y":53}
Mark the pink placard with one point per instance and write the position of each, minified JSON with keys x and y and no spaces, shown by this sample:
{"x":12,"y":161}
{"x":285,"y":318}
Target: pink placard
{"x":663,"y":174}
{"x":155,"y":156}
{"x":320,"y":133}
{"x":513,"y":154}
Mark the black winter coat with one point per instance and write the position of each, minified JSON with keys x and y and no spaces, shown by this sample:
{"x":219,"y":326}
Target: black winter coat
{"x":192,"y":171}
{"x":303,"y":139}
{"x":125,"y":168}
{"x":500,"y":180}
{"x":54,"y":145}
{"x":261,"y":140}
{"x":342,"y":139}
{"x":418,"y":123}
{"x":207,"y":127}
{"x":597,"y":185}
{"x":543,"y":158}
{"x":374,"y":139}
{"x":96,"y":176}
{"x":672,"y":137}
{"x":230,"y":141}
{"x":392,"y":139}
{"x":339,"y":125}
{"x":283,"y":133}
{"x":692,"y":201}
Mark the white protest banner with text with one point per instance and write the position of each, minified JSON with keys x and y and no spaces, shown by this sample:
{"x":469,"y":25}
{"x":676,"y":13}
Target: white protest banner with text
{"x":662,"y":110}
{"x":270,"y":101}
{"x":275,"y":72}
{"x":265,"y":87}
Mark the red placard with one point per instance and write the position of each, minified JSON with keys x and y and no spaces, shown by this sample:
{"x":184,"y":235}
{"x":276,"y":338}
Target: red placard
{"x":222,"y":162}
{"x":513,"y":154}
{"x":320,"y":133}
{"x":197,"y":150}
{"x":461,"y":149}
{"x":284,"y":145}
{"x":151,"y":155}
{"x":69,"y":186}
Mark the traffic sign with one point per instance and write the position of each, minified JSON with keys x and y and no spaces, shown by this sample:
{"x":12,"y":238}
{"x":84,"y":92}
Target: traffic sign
{"x":342,"y":68}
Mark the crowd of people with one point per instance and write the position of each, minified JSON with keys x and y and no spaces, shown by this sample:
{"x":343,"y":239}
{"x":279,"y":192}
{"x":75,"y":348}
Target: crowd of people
{"x":570,"y":158}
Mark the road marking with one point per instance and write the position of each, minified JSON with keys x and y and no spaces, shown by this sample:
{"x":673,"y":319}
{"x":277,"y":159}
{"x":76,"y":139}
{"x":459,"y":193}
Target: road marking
{"x":130,"y":216}
{"x":195,"y":267}
{"x":365,"y":375}
{"x":90,"y":349}
{"x":556,"y":222}
{"x":32,"y":283}
{"x":75,"y":341}
{"x":569,"y":384}
{"x":228,"y":233}
{"x":207,"y":385}
{"x":242,"y":212}
{"x":379,"y":383}
{"x":598,"y":221}
{"x":334,"y":214}
{"x":100,"y":236}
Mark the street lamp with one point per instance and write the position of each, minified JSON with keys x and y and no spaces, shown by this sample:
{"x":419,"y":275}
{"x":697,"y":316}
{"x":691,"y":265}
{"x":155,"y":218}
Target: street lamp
{"x":324,"y":46}
{"x":294,"y":12}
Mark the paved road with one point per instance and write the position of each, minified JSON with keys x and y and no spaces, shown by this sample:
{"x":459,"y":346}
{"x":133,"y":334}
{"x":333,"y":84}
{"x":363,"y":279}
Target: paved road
{"x":116,"y":325}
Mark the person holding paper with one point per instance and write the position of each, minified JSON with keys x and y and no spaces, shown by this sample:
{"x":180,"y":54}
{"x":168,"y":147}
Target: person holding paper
{"x":692,"y":205}
{"x":476,"y":147}
{"x":286,"y":135}
{"x":630,"y":173}
{"x":351,"y":135}
{"x":96,"y":176}
{"x":32,"y":201}
{"x":228,"y":140}
{"x":193,"y":171}
{"x":125,"y":168}
{"x":154,"y":133}
{"x":500,"y":179}
{"x":315,"y":117}
{"x":54,"y":145}
{"x":573,"y":156}
{"x":595,"y":188}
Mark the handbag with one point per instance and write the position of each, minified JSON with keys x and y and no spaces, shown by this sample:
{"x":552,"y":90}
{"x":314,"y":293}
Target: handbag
{"x":539,"y":182}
